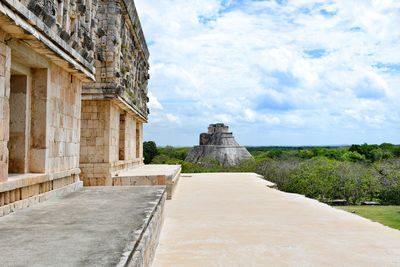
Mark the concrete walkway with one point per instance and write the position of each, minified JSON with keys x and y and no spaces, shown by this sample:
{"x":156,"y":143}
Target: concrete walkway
{"x":236,"y":220}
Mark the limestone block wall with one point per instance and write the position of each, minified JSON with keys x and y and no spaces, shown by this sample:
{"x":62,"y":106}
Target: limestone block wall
{"x":5,"y":62}
{"x":39,"y":127}
{"x":118,"y":97}
{"x":130,"y":138}
{"x":114,"y":133}
{"x":94,"y":132}
{"x":104,"y":123}
{"x":64,"y":113}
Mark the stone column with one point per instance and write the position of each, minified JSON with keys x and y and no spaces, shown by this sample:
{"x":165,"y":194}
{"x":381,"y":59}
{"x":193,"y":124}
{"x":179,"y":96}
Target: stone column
{"x":39,"y":147}
{"x":5,"y":63}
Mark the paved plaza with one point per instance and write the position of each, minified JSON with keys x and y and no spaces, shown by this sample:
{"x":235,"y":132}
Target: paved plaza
{"x":237,"y":220}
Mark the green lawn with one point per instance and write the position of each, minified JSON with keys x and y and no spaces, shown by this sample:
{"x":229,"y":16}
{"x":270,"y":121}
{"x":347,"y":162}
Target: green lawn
{"x":387,"y":215}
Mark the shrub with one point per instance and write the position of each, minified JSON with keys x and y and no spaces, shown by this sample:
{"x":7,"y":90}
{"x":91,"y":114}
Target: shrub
{"x":209,"y":163}
{"x":389,"y":178}
{"x":188,"y":167}
{"x":353,"y":156}
{"x":391,"y":195}
{"x":277,"y":171}
{"x":324,"y":179}
{"x":161,"y":159}
{"x":149,"y":151}
{"x":246,"y":165}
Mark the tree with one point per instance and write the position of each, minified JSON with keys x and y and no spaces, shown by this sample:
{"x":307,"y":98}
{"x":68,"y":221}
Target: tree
{"x":149,"y":151}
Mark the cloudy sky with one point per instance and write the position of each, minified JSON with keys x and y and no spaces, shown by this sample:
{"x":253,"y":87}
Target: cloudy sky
{"x":294,"y":72}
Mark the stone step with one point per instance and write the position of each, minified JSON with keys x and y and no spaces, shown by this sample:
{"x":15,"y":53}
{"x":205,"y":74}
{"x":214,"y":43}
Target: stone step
{"x":150,"y":175}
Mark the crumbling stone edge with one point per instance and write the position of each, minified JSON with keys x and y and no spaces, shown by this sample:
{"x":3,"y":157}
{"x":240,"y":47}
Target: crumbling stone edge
{"x":172,"y":183}
{"x":34,"y":200}
{"x":142,"y":252}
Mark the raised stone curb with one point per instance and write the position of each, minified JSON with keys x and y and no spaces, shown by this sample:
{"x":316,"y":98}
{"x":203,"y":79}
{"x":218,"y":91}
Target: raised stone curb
{"x":29,"y":202}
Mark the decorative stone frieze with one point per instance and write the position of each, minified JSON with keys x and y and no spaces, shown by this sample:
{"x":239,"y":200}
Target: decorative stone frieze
{"x":114,"y":107}
{"x":53,"y":55}
{"x":122,"y":58}
{"x":46,"y":52}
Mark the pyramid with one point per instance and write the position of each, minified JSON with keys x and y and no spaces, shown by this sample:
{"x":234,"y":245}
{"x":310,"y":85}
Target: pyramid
{"x":220,"y":144}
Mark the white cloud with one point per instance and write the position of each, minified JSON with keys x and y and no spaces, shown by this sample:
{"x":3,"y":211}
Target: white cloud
{"x":173,"y":118}
{"x":314,"y":67}
{"x":153,"y":102}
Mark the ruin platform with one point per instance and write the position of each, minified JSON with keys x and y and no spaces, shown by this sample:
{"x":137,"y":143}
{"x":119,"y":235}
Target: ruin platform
{"x":95,"y":226}
{"x":236,"y":219}
{"x":150,"y":175}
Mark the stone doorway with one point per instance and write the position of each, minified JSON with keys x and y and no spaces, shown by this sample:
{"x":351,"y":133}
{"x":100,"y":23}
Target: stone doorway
{"x":122,"y":126}
{"x":137,"y":140}
{"x":27,"y":125}
{"x":18,"y":144}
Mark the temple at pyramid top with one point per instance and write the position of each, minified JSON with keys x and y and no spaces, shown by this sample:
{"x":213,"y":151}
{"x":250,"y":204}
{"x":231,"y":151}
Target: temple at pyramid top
{"x":220,"y":144}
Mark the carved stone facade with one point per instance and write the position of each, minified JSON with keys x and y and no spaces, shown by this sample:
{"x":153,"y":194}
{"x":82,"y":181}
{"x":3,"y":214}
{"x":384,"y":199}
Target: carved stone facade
{"x":44,"y":58}
{"x":114,"y":107}
{"x":53,"y":55}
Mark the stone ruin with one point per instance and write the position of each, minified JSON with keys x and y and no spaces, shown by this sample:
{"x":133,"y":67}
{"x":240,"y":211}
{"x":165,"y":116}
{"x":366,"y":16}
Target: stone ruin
{"x":73,"y":101}
{"x":220,"y":144}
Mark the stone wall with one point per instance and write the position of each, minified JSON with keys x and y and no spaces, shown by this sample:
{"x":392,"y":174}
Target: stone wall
{"x":5,"y":62}
{"x":64,"y":120}
{"x":120,"y":92}
{"x":94,"y":137}
{"x":101,"y":142}
{"x":53,"y":54}
{"x":146,"y":248}
{"x":41,"y":75}
{"x":40,"y":108}
{"x":122,"y":57}
{"x":71,"y":24}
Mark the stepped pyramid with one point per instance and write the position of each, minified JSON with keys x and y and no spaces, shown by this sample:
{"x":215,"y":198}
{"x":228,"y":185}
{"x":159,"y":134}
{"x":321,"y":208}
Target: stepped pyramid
{"x":220,"y":144}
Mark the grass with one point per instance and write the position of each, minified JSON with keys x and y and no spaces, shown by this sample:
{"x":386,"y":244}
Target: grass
{"x":386,"y":215}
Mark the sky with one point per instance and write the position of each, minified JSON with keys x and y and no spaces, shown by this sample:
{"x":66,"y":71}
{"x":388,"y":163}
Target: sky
{"x":277,"y":72}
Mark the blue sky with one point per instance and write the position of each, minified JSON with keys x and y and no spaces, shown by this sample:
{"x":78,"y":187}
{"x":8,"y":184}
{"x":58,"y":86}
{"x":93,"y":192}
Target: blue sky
{"x":281,"y":72}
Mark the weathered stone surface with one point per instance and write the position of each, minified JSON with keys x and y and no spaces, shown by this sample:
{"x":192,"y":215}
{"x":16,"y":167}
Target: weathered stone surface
{"x":234,"y":219}
{"x":48,"y":48}
{"x":150,"y":175}
{"x":76,"y":230}
{"x":48,"y":23}
{"x":114,"y":107}
{"x":122,"y":58}
{"x":111,"y":140}
{"x":220,"y":144}
{"x":41,"y":76}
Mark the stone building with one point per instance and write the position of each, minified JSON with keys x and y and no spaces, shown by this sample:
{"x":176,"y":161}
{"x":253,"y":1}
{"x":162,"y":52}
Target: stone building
{"x":220,"y":144}
{"x":46,"y":53}
{"x":114,"y":107}
{"x":73,"y":98}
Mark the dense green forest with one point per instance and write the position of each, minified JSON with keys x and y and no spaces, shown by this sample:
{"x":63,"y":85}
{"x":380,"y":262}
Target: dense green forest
{"x":355,"y":173}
